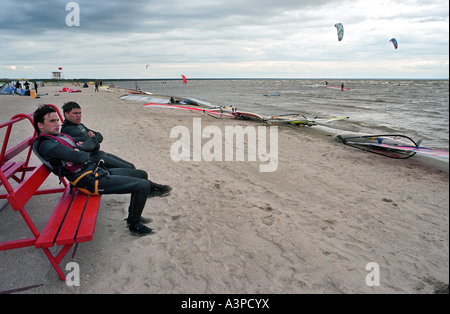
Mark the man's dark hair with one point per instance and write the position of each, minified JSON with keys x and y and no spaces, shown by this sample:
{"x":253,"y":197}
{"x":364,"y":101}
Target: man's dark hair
{"x":39,"y":115}
{"x":68,"y":106}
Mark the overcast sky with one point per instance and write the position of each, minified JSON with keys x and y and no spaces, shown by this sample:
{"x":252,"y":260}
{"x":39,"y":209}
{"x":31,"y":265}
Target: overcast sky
{"x":225,"y":39}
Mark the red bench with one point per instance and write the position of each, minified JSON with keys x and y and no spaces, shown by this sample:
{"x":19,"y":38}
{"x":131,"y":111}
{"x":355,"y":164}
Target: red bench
{"x":72,"y":221}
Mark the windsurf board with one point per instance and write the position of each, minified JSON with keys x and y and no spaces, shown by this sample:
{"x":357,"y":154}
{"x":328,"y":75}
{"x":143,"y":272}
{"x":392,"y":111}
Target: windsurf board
{"x":336,"y":87}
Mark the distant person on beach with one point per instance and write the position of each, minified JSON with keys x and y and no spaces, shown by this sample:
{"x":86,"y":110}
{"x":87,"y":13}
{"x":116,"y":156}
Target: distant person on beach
{"x":96,"y":86}
{"x":342,"y":86}
{"x":87,"y":139}
{"x":36,"y":87}
{"x":60,"y":153}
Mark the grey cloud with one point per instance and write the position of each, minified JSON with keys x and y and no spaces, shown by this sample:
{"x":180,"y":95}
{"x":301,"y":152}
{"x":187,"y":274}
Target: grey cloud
{"x":142,"y":16}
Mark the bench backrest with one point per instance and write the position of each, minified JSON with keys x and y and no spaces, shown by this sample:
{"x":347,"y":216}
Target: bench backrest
{"x":15,"y":165}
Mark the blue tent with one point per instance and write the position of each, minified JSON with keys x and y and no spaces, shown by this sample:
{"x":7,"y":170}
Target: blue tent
{"x":8,"y":88}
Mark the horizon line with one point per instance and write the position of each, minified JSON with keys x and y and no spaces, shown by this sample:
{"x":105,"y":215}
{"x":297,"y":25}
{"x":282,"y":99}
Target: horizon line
{"x":217,"y":79}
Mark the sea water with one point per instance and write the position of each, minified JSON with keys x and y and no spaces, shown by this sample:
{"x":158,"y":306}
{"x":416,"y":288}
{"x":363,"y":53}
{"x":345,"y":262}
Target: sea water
{"x":418,"y":109}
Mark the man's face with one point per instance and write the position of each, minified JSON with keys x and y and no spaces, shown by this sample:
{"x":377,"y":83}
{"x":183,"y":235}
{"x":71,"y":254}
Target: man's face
{"x":74,"y":116}
{"x":50,"y":125}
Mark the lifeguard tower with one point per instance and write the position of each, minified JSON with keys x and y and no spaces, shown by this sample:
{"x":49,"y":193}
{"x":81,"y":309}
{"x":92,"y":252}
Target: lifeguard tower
{"x":56,"y":75}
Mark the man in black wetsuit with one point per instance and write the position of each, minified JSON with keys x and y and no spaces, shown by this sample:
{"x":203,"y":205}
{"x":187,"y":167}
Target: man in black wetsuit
{"x":86,"y":139}
{"x":60,"y":153}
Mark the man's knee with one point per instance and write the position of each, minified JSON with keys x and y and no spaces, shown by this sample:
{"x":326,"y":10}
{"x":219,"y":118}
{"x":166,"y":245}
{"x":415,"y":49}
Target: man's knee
{"x":144,"y":185}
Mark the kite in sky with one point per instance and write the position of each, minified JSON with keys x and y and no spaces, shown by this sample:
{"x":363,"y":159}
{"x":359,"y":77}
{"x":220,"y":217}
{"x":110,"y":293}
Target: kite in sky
{"x":340,"y":30}
{"x":394,"y":42}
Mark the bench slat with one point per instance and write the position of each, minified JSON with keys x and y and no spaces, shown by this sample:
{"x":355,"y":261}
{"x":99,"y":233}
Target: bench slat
{"x":26,"y":189}
{"x":48,"y":234}
{"x":12,"y":169}
{"x":72,"y":221}
{"x":87,"y":227}
{"x":7,"y":165}
{"x":5,"y":168}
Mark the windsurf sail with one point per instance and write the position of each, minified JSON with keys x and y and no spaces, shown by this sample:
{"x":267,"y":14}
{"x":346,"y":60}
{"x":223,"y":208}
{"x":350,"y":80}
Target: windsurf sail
{"x":166,"y":106}
{"x":146,"y":99}
{"x":245,"y":115}
{"x":300,"y":120}
{"x":197,"y":102}
{"x":295,"y":119}
{"x":412,"y":149}
{"x":394,"y":42}
{"x":215,"y":112}
{"x":184,"y":79}
{"x":340,"y":30}
{"x":233,"y":112}
{"x":394,"y":146}
{"x":127,"y":90}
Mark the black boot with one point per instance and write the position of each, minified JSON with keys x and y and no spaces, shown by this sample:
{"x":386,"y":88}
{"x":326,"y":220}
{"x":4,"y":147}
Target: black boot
{"x":143,"y":221}
{"x":159,"y":191}
{"x":140,"y":230}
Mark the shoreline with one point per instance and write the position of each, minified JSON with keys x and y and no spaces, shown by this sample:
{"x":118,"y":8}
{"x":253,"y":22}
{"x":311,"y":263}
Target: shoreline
{"x":311,"y":226}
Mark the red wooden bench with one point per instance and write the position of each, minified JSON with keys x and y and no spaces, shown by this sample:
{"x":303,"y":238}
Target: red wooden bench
{"x":72,"y":221}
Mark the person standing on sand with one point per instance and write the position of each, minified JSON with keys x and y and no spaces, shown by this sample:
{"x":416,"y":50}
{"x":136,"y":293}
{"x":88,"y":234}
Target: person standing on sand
{"x":60,"y":153}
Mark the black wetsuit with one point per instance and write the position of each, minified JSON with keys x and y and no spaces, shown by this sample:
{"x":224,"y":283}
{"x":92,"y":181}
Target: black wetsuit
{"x":110,"y":180}
{"x":92,"y":144}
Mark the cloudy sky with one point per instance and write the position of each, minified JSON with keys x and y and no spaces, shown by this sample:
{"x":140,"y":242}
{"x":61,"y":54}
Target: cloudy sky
{"x":224,"y":39}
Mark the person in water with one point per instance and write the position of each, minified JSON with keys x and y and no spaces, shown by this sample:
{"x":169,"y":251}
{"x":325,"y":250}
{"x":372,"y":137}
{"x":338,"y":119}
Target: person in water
{"x":87,"y":139}
{"x":60,"y":153}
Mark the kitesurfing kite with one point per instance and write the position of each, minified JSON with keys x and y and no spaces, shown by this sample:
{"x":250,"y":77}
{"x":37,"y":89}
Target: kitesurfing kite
{"x":147,"y":66}
{"x":394,"y":42}
{"x":340,"y":30}
{"x":184,"y":79}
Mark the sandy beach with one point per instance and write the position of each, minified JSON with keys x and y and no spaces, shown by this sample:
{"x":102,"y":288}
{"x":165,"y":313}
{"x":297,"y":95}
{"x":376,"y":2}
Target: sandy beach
{"x":310,"y":226}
